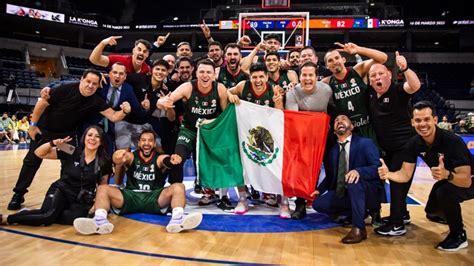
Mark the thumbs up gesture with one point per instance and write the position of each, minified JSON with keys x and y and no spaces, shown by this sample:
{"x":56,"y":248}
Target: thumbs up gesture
{"x":401,"y":61}
{"x":277,"y":95}
{"x":146,"y":102}
{"x":439,"y":172}
{"x":383,"y":170}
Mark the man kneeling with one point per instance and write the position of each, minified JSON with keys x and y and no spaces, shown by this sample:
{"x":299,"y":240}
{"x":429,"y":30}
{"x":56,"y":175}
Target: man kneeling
{"x":144,"y":191}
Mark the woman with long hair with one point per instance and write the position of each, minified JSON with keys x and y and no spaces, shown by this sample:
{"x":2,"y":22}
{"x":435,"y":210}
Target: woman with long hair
{"x":73,"y":194}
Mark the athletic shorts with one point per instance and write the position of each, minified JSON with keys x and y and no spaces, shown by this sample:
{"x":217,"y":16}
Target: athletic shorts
{"x":141,"y":202}
{"x":186,"y":138}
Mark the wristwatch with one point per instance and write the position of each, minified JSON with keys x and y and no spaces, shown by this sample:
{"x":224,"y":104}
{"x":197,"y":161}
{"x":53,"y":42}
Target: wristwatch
{"x":450,"y":176}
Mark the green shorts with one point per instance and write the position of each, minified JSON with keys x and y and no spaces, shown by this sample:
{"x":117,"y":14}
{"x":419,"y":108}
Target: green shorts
{"x":186,"y":138}
{"x":146,"y":202}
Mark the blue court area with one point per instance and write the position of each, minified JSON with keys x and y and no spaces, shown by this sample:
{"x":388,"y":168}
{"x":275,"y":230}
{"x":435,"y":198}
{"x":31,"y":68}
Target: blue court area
{"x":260,"y":218}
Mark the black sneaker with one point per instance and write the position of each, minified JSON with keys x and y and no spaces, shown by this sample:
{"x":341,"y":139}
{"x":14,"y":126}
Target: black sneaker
{"x":254,"y":195}
{"x":390,"y":230}
{"x":406,"y":219}
{"x":225,"y":205}
{"x":15,"y":203}
{"x":197,"y":188}
{"x":436,"y":218}
{"x":454,"y":242}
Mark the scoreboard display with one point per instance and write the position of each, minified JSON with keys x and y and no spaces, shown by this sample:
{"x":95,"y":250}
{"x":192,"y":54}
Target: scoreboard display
{"x":273,"y":24}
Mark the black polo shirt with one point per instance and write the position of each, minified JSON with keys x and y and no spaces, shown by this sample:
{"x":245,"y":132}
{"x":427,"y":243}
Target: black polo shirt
{"x":390,"y":114}
{"x":75,"y":176}
{"x":446,"y":143}
{"x":68,"y":108}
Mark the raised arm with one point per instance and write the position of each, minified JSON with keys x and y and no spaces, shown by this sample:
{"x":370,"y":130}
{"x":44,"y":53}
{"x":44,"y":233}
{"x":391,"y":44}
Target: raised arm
{"x":249,"y":59}
{"x":375,"y":56}
{"x":48,"y":150}
{"x":412,"y":83}
{"x":96,"y":57}
{"x":206,"y":31}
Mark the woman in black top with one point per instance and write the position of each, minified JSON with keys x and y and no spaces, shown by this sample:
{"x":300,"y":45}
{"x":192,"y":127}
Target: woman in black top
{"x":73,"y":194}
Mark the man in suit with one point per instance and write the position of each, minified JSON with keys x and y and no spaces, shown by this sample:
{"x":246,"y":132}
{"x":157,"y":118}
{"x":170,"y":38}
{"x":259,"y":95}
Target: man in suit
{"x":352,"y":184}
{"x":115,"y":92}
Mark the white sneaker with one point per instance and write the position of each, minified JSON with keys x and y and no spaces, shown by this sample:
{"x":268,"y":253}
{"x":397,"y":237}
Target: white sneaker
{"x":285,"y":212}
{"x":185,"y":222}
{"x":89,"y":226}
{"x":242,"y":207}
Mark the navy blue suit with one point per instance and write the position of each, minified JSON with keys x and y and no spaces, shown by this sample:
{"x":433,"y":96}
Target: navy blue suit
{"x":367,"y":193}
{"x":126,"y":95}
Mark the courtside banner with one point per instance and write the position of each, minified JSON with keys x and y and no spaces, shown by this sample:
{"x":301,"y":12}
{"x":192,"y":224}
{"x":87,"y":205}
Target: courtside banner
{"x":34,"y":13}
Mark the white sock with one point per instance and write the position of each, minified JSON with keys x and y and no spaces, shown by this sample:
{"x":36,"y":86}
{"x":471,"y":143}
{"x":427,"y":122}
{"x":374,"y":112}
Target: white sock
{"x":284,"y":200}
{"x":223,"y":192}
{"x":101,"y":213}
{"x":177,"y":212}
{"x":242,"y":195}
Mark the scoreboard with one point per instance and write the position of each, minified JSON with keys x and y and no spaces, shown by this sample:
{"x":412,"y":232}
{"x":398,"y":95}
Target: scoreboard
{"x":274,"y":24}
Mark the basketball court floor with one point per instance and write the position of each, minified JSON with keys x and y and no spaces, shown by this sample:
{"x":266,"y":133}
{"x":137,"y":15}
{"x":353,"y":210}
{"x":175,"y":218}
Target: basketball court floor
{"x":259,"y":237}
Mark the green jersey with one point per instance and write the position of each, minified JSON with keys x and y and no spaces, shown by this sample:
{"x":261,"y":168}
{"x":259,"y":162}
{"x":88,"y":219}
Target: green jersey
{"x":144,"y":176}
{"x":351,"y":95}
{"x":265,"y":98}
{"x":199,"y":105}
{"x":283,"y":81}
{"x":230,"y":80}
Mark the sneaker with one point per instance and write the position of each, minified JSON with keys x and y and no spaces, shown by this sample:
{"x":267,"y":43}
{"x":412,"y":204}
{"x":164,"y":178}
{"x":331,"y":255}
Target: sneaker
{"x":207,"y":200}
{"x":96,"y":225}
{"x":254,"y":195}
{"x":185,"y":222}
{"x":406,"y":219}
{"x":225,"y":205}
{"x":390,"y":230}
{"x":453,"y":242}
{"x":374,"y":219}
{"x":242,"y":207}
{"x":197,"y":188}
{"x":285,"y":212}
{"x":270,"y":200}
{"x":16,"y":201}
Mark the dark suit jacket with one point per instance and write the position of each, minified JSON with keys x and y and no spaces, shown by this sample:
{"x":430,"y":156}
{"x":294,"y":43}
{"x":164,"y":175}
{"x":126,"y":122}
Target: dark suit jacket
{"x":363,"y":157}
{"x":126,"y":95}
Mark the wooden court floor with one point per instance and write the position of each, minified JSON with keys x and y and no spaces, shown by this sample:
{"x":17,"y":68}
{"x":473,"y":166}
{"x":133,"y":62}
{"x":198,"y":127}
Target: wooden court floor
{"x":134,"y":242}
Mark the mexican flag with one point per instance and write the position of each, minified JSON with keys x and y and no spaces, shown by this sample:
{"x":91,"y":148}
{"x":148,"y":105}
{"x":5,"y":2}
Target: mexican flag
{"x":275,"y":151}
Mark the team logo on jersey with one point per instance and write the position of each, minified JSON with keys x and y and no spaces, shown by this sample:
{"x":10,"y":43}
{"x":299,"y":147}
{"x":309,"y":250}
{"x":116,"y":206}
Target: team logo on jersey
{"x":205,"y":103}
{"x":145,"y":168}
{"x":76,"y":164}
{"x":260,"y":146}
{"x":196,"y":100}
{"x":152,"y":168}
{"x":353,"y":81}
{"x":386,"y":100}
{"x":213,"y":103}
{"x":267,"y":102}
{"x":423,"y":154}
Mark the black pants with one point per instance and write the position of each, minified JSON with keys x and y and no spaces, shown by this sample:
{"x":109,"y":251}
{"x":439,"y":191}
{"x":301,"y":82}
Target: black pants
{"x":444,"y":201}
{"x":31,"y":162}
{"x":59,"y":206}
{"x":398,"y":191}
